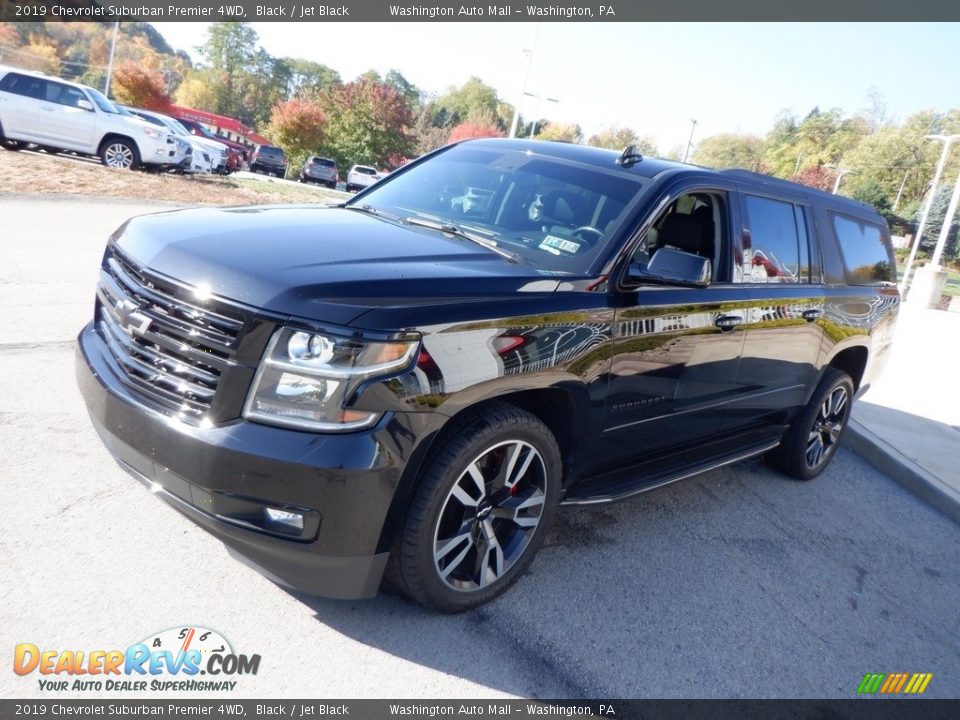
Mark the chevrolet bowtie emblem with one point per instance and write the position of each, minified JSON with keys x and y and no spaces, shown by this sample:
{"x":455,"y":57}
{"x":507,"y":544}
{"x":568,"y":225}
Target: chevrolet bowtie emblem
{"x":130,"y":317}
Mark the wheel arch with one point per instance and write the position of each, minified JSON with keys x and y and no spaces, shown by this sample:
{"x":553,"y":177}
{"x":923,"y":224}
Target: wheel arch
{"x":853,"y":361}
{"x":563,"y":408}
{"x":117,"y":136}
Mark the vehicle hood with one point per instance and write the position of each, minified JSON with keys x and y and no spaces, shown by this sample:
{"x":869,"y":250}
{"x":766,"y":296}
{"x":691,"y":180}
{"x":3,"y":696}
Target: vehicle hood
{"x":135,"y":122}
{"x":322,"y":263}
{"x":217,"y":147}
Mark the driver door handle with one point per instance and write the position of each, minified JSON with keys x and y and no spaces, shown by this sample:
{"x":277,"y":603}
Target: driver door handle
{"x":728,"y":322}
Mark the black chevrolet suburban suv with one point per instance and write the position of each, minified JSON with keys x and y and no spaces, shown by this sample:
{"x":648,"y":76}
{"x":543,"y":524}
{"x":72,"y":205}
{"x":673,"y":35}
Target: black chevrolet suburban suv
{"x":408,"y":385}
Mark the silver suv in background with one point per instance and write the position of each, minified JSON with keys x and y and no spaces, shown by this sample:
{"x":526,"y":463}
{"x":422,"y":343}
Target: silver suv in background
{"x":201,"y":155}
{"x":320,"y":170}
{"x":61,"y":115}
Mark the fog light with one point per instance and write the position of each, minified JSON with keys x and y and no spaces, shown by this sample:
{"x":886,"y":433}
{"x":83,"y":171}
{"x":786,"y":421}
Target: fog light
{"x":282,"y":517}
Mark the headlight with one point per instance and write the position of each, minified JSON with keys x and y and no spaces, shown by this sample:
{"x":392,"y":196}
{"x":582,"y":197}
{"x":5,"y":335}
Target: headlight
{"x":306,"y":379}
{"x":152,"y":132}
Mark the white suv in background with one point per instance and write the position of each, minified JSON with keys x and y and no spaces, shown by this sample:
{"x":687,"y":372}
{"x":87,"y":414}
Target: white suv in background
{"x":361,"y":176}
{"x":63,"y":115}
{"x":203,"y":159}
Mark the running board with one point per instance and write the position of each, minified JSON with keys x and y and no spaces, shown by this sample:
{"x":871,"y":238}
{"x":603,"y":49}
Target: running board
{"x":627,"y":483}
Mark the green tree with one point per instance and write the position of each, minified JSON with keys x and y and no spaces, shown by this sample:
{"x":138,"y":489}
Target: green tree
{"x":931,"y":233}
{"x":728,"y":150}
{"x":873,"y":194}
{"x":411,"y":94}
{"x":367,"y":123}
{"x":473,"y":98}
{"x":308,"y":77}
{"x":618,"y":138}
{"x":560,"y":132}
{"x":230,"y":52}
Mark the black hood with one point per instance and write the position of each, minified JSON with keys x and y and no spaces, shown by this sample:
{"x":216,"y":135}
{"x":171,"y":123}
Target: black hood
{"x":294,"y":259}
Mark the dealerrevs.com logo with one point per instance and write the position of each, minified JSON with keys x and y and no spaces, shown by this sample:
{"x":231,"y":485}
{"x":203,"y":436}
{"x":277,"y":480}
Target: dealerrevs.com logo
{"x":177,"y":659}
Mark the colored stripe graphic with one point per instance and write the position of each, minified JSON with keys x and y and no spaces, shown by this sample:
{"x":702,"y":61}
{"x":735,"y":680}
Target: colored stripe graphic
{"x":871,"y":683}
{"x":894,"y":683}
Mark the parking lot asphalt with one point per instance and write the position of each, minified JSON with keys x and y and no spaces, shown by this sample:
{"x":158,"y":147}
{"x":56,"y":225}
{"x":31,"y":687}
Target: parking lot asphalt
{"x":737,"y":583}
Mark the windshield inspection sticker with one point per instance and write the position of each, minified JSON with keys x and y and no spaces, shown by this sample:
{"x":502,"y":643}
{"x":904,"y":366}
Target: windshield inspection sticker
{"x":554,"y":244}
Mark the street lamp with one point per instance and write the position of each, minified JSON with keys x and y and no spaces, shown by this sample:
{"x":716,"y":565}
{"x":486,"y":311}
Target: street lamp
{"x":947,"y":141}
{"x":841,"y":171}
{"x":113,"y":49}
{"x":526,"y":76}
{"x":693,"y":126}
{"x":533,"y":126}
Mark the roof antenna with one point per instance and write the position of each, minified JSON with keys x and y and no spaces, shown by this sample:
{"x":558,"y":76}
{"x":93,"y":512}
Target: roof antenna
{"x":629,"y":156}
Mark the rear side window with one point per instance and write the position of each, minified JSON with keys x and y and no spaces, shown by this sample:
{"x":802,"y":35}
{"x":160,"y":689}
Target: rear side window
{"x":774,"y":251}
{"x":866,"y":255}
{"x":24,"y":85}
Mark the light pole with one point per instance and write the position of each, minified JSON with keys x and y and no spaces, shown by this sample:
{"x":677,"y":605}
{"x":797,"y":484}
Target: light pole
{"x":113,"y":49}
{"x":533,"y":126}
{"x":841,"y":171}
{"x":896,"y":202}
{"x":693,"y":126}
{"x":947,"y":141}
{"x":526,"y":76}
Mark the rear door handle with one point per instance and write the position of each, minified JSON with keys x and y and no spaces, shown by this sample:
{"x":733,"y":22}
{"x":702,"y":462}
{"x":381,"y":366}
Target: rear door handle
{"x":812,"y":314}
{"x":728,"y":322}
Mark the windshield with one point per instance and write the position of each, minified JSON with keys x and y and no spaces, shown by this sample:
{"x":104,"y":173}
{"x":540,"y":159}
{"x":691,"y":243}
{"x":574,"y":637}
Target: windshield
{"x":104,"y":104}
{"x":176,"y":126}
{"x":555,"y":214}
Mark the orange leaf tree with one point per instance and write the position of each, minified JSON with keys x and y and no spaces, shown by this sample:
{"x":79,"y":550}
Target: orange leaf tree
{"x":299,"y":127}
{"x":140,"y":87}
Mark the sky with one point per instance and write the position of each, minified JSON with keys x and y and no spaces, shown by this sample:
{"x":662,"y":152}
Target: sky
{"x":652,"y":77}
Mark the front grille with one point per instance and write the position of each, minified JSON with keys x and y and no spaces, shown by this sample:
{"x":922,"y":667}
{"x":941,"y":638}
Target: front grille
{"x":170,"y":347}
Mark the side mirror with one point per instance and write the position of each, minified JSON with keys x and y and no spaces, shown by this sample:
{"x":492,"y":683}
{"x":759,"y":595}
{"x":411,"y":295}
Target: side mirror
{"x":674,"y":267}
{"x":85,"y":105}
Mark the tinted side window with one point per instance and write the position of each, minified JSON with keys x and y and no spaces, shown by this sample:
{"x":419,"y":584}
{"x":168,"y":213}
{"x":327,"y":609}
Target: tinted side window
{"x":864,"y":249}
{"x":69,"y":96}
{"x":773,"y":255}
{"x":11,"y":82}
{"x":24,"y":85}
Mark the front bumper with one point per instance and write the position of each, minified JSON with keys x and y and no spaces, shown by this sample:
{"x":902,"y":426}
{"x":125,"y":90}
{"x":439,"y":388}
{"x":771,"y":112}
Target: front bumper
{"x":222,"y":477}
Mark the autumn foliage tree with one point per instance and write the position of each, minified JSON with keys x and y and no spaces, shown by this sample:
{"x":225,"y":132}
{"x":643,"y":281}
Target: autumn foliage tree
{"x":299,"y":127}
{"x":470,"y":130}
{"x":140,"y":87}
{"x":368,"y":122}
{"x":816,"y":176}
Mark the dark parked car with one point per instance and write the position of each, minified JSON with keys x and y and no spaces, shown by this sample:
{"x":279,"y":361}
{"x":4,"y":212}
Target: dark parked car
{"x":411,"y":383}
{"x":268,"y":159}
{"x":320,"y":170}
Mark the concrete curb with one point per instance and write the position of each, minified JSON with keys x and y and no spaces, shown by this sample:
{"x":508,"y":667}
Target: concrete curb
{"x":891,"y":462}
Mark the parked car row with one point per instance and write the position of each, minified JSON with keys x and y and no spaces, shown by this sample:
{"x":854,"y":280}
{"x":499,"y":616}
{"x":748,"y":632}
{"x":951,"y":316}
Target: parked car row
{"x":57,"y":115}
{"x":324,"y":171}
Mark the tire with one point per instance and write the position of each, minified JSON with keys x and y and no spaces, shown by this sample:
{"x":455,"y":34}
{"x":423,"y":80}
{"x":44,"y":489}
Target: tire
{"x":120,"y":153}
{"x":12,"y":145}
{"x":812,"y":439}
{"x":498,"y":479}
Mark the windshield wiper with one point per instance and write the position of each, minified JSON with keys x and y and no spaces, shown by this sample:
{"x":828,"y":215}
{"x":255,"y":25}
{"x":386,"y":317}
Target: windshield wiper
{"x":369,"y":210}
{"x":451,"y":229}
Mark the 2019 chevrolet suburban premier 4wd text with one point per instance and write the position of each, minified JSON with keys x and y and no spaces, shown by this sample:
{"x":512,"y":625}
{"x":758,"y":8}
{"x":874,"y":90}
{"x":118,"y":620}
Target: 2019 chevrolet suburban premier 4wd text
{"x":409,"y":384}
